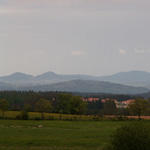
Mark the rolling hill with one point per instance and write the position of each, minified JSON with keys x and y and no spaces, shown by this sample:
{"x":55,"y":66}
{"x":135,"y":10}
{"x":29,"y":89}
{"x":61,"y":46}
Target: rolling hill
{"x":89,"y":86}
{"x":133,"y":78}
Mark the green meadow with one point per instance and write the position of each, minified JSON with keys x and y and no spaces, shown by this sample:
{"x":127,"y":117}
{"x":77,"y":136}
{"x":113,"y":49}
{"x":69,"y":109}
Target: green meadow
{"x":56,"y":135}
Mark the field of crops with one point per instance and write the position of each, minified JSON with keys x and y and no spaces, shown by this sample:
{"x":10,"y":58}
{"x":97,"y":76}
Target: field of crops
{"x":48,"y":116}
{"x":52,"y":116}
{"x":56,"y":135}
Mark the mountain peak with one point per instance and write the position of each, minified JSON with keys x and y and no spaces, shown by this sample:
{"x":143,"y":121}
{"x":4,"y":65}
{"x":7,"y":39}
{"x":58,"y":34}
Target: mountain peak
{"x":51,"y":73}
{"x":17,"y":76}
{"x":47,"y":76}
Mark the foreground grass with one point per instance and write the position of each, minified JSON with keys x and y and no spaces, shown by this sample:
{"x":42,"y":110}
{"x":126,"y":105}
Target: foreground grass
{"x":56,"y":135}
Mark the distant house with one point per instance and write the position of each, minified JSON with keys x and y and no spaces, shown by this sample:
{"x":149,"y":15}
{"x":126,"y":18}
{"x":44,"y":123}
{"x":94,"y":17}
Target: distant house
{"x":127,"y":102}
{"x":90,"y":99}
{"x":119,"y":104}
{"x":108,"y":99}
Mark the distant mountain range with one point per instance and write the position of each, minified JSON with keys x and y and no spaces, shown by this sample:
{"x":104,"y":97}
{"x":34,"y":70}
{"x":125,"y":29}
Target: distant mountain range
{"x":22,"y":79}
{"x":132,"y":82}
{"x":89,"y":86}
{"x":133,"y":78}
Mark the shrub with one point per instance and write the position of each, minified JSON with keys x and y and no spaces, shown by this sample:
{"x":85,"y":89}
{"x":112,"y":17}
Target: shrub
{"x":135,"y":136}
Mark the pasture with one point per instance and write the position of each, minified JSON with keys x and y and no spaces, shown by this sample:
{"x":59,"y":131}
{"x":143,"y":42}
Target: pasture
{"x":56,"y":135}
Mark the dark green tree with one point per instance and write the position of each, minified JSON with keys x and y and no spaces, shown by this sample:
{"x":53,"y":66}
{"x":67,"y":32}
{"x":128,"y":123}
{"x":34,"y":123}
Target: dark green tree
{"x":109,"y":108}
{"x":42,"y":106}
{"x":63,"y":103}
{"x":4,"y":105}
{"x":139,"y":107}
{"x":69,"y":104}
{"x":133,"y":136}
{"x":78,"y":106}
{"x":27,"y":107}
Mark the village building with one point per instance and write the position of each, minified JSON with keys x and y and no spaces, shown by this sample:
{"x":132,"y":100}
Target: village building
{"x":119,"y":104}
{"x":91,"y":99}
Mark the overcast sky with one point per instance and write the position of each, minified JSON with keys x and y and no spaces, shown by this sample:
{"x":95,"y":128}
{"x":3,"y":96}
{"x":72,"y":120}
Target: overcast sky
{"x":97,"y":37}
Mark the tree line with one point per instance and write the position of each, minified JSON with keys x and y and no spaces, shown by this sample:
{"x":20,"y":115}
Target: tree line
{"x":19,"y":99}
{"x":42,"y":102}
{"x":67,"y":103}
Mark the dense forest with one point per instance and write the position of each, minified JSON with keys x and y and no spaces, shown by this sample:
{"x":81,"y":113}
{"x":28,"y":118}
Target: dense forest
{"x":66,"y":103}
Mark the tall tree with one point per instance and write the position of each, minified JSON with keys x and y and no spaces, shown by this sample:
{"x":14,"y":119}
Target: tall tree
{"x":139,"y":107}
{"x":63,"y":103}
{"x":42,"y":106}
{"x":78,"y":106}
{"x":109,"y":108}
{"x":69,"y":104}
{"x":3,"y":106}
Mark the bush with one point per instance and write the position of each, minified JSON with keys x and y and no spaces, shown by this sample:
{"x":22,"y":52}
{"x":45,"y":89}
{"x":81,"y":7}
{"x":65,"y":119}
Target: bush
{"x":135,"y":136}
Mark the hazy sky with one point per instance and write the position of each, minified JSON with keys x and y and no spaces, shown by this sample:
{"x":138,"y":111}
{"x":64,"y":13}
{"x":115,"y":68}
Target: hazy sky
{"x":96,"y":37}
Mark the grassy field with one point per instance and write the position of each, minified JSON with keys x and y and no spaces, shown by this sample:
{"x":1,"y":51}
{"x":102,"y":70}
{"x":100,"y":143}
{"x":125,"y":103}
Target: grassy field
{"x":56,"y":135}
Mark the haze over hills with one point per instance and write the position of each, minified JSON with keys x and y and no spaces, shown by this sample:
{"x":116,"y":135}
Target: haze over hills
{"x":6,"y":87}
{"x":133,"y":78}
{"x":22,"y":79}
{"x":89,"y":86}
{"x":86,"y":83}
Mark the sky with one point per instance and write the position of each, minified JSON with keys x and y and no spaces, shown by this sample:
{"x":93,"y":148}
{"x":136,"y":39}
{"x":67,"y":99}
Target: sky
{"x":95,"y":37}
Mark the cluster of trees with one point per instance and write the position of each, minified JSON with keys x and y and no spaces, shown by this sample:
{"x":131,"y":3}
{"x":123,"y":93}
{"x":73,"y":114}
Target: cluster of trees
{"x":137,"y":108}
{"x":59,"y":103}
{"x":69,"y":104}
{"x":19,"y":100}
{"x":94,"y":107}
{"x":56,"y":102}
{"x":3,"y":106}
